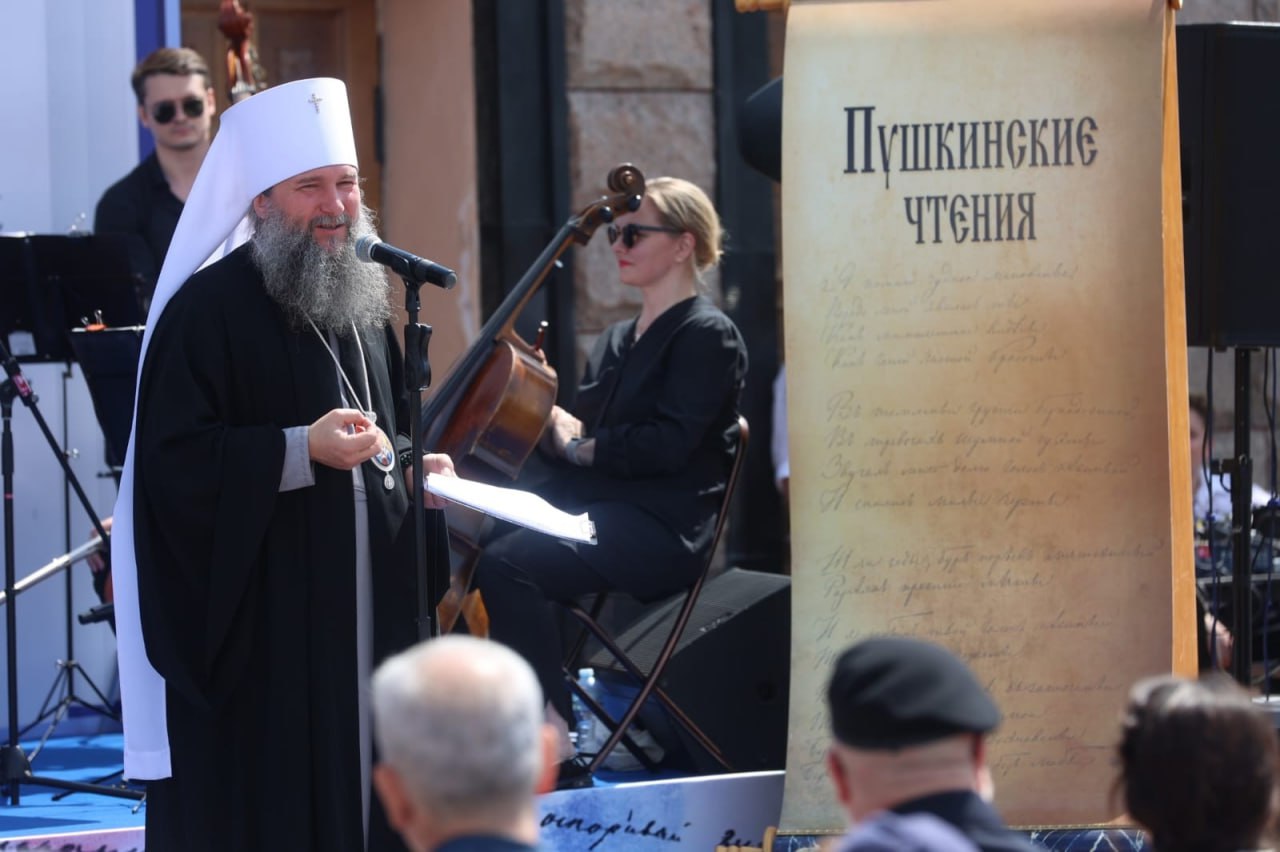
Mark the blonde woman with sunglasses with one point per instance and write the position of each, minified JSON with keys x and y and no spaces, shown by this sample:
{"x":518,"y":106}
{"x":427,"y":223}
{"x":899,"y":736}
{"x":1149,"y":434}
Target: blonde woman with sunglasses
{"x":645,"y":450}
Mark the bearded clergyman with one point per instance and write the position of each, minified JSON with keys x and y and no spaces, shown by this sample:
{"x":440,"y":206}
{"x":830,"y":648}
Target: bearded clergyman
{"x":265,"y":505}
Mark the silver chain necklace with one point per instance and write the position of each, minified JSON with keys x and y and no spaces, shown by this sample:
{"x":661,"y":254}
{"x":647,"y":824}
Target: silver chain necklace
{"x":385,"y":458}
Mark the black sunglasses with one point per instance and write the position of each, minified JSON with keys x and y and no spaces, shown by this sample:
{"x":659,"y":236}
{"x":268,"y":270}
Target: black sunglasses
{"x":631,"y":233}
{"x":165,"y":111}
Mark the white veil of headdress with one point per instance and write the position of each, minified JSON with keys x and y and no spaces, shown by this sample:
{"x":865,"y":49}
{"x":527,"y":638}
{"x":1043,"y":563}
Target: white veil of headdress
{"x":274,"y":135}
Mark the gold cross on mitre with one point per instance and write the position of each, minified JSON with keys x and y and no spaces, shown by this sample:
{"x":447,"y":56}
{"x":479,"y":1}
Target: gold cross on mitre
{"x":314,"y":100}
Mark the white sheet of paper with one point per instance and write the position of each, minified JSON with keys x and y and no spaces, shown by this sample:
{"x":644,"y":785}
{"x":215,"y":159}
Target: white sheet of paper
{"x":512,"y":504}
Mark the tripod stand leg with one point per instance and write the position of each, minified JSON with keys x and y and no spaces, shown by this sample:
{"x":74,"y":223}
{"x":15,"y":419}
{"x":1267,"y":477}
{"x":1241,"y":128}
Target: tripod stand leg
{"x":45,"y":709}
{"x":66,"y":673}
{"x":17,"y":771}
{"x":106,"y":702}
{"x":101,"y":711}
{"x":80,"y":787}
{"x":59,"y":797}
{"x":59,"y":714}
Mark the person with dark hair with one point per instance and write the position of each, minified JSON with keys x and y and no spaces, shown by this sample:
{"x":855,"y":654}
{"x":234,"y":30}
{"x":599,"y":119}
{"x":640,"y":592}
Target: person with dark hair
{"x":1198,"y":765}
{"x":1210,"y":492}
{"x":909,"y":722}
{"x":176,"y":103}
{"x":646,"y":450}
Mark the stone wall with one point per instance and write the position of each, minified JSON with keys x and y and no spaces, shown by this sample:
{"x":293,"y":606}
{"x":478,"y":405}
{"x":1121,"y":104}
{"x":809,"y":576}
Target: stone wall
{"x":640,"y":90}
{"x":1211,"y":11}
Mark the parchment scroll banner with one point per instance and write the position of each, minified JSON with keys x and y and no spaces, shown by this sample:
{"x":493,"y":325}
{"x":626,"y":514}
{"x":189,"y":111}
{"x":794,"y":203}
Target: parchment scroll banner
{"x":985,"y":352}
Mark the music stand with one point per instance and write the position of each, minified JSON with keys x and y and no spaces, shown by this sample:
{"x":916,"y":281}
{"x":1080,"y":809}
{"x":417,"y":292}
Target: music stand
{"x":47,"y":284}
{"x":50,"y":284}
{"x":109,"y":359}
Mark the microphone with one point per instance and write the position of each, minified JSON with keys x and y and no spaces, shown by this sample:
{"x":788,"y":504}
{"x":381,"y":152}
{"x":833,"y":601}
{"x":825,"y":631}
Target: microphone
{"x":370,"y":249}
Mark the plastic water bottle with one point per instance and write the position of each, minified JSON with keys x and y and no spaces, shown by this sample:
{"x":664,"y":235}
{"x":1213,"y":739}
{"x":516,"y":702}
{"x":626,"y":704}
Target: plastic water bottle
{"x":586,"y":724}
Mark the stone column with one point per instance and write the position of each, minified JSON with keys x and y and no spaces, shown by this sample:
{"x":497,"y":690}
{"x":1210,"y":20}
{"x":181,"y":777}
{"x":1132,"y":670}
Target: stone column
{"x":640,"y":91}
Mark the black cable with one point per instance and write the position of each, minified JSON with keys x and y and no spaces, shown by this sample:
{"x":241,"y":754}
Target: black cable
{"x":1206,"y":474}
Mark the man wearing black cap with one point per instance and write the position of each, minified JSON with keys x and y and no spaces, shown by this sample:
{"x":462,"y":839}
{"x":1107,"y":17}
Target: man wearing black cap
{"x":909,"y":721}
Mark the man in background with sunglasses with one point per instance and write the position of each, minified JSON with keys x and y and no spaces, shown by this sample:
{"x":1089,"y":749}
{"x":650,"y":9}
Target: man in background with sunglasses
{"x":176,"y":103}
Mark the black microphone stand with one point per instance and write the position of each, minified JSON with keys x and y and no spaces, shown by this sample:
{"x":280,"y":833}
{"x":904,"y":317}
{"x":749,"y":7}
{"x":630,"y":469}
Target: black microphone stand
{"x":417,"y":378}
{"x":1241,"y":469}
{"x":17,"y":767}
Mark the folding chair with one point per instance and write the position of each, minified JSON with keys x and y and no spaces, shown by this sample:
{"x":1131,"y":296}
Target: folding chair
{"x":649,"y":681}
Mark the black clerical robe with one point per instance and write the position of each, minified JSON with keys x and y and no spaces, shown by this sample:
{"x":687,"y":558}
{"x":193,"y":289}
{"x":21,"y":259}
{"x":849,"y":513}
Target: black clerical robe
{"x":247,"y":594}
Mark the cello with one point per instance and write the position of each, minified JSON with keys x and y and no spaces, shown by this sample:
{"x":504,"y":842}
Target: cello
{"x":491,"y":410}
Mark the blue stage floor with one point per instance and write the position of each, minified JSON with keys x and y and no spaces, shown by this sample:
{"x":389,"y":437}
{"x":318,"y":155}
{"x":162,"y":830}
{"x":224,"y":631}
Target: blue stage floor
{"x":46,"y":810}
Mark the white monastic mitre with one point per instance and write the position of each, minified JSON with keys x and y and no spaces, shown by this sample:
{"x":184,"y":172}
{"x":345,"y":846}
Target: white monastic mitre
{"x":272,"y":136}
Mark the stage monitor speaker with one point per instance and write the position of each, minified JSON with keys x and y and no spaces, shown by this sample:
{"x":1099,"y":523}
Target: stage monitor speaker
{"x":729,"y":673}
{"x":1229,"y":114}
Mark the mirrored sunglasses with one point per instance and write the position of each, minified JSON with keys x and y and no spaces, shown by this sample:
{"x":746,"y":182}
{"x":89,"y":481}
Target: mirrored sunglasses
{"x":165,"y":111}
{"x":631,"y":233}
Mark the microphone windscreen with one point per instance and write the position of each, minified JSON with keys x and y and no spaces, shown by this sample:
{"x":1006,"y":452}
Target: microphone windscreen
{"x":364,"y":247}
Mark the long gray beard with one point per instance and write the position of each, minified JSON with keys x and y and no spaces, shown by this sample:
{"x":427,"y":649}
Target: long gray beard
{"x":332,"y":288}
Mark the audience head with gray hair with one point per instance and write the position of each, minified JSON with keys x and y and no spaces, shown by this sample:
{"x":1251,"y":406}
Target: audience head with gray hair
{"x":459,"y":724}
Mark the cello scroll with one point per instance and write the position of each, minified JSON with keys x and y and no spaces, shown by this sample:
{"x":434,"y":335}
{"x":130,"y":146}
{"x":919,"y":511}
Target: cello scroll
{"x":627,"y":184}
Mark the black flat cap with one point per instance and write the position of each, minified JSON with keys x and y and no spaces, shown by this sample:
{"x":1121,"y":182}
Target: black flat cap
{"x":888,"y":692}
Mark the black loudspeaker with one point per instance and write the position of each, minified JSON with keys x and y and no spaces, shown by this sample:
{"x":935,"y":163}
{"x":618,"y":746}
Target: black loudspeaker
{"x":729,"y":673}
{"x":1229,"y":112}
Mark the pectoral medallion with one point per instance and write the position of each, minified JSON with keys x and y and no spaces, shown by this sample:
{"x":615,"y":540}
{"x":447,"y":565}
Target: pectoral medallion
{"x":385,"y":459}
